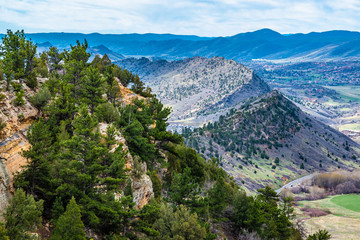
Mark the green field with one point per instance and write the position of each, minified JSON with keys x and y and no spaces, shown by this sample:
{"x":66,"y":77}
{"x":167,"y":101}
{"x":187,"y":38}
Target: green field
{"x":343,"y":220}
{"x":347,"y":93}
{"x":351,"y":202}
{"x":350,"y":126}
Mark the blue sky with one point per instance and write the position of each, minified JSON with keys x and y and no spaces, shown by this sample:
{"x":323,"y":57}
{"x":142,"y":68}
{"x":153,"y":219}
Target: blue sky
{"x":201,"y":17}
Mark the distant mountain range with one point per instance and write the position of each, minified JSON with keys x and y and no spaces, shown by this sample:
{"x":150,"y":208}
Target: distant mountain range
{"x":263,"y":44}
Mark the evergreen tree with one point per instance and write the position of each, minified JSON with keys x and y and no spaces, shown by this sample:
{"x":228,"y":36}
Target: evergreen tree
{"x":180,"y":224}
{"x":23,"y":215}
{"x":30,"y":64}
{"x":112,"y":86}
{"x":92,"y":88}
{"x":18,"y":58}
{"x":63,"y":107}
{"x":55,"y":58}
{"x":75,"y":64}
{"x":12,"y":52}
{"x":220,"y":195}
{"x":182,"y":187}
{"x":320,"y":235}
{"x":3,"y":232}
{"x":35,"y":176}
{"x":69,"y":225}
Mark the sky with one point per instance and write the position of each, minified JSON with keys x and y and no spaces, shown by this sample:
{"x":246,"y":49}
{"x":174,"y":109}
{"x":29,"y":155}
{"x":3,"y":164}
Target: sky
{"x":190,"y":17}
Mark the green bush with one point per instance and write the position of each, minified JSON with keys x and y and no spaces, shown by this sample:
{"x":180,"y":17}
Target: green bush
{"x":41,"y":70}
{"x":41,"y":98}
{"x":2,"y":97}
{"x":19,"y":94}
{"x":107,"y":112}
{"x":19,"y":99}
{"x":31,"y":81}
{"x":2,"y":125}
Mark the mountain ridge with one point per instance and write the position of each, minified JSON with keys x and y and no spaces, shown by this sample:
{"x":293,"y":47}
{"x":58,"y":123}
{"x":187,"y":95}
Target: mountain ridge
{"x":264,"y":44}
{"x":198,"y":89}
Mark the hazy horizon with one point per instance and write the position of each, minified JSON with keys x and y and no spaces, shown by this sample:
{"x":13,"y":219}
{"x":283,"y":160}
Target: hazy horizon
{"x":168,"y":33}
{"x":211,"y":18}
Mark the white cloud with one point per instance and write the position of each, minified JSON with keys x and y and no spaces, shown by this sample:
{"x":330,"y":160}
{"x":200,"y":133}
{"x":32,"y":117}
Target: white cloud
{"x":200,"y":17}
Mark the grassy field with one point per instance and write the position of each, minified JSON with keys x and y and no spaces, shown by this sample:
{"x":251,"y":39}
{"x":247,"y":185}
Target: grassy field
{"x":347,"y":93}
{"x":332,"y":103}
{"x":350,"y":126}
{"x":351,"y":202}
{"x":342,"y":222}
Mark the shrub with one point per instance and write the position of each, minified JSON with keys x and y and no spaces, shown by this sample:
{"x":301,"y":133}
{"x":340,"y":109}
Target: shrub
{"x":329,"y":180}
{"x":107,"y":112}
{"x":31,"y":81}
{"x":314,"y":212}
{"x":41,"y":70}
{"x":345,"y":188}
{"x":21,"y":117}
{"x":19,"y":93}
{"x":2,"y":125}
{"x":41,"y":98}
{"x":316,"y":192}
{"x":2,"y":97}
{"x":19,"y":99}
{"x":320,"y":235}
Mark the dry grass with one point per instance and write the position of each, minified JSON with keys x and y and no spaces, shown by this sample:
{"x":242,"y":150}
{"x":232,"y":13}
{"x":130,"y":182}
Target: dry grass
{"x":314,"y":212}
{"x":342,"y":223}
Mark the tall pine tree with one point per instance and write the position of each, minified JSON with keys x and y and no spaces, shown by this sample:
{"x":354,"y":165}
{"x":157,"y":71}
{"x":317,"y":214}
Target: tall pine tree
{"x":92,"y":88}
{"x":69,"y":225}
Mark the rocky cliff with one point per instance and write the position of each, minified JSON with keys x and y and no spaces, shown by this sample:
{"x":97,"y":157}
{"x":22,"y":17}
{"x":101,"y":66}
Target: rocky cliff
{"x":141,"y":185}
{"x":13,"y":139}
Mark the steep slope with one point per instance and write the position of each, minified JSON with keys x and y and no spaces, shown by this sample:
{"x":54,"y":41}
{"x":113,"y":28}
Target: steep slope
{"x":13,"y":139}
{"x":198,"y":89}
{"x":261,"y":44}
{"x":269,"y":140}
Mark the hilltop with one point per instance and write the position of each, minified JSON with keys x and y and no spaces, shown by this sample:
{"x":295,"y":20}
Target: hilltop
{"x":198,"y":89}
{"x":269,"y":140}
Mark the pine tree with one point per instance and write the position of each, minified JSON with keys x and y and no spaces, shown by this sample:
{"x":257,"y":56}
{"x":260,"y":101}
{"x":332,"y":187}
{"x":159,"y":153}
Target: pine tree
{"x":22,"y":215}
{"x":75,"y":64}
{"x":69,"y":225}
{"x":112,"y":86}
{"x":54,"y":59}
{"x":13,"y":56}
{"x":35,"y":177}
{"x":320,"y":235}
{"x":29,"y":49}
{"x":92,"y":88}
{"x":63,"y":107}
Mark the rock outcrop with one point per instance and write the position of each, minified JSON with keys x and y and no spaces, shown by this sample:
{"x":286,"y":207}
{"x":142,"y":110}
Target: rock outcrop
{"x":13,"y":140}
{"x":141,"y":185}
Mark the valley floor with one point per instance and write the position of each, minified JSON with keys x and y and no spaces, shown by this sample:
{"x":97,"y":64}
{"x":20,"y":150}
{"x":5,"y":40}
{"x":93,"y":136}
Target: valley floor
{"x":343,"y":220}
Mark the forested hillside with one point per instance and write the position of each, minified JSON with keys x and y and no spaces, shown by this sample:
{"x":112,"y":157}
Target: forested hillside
{"x":93,"y":145}
{"x":269,"y":140}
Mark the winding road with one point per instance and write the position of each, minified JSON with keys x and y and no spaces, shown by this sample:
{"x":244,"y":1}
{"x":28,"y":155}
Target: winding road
{"x":294,"y":183}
